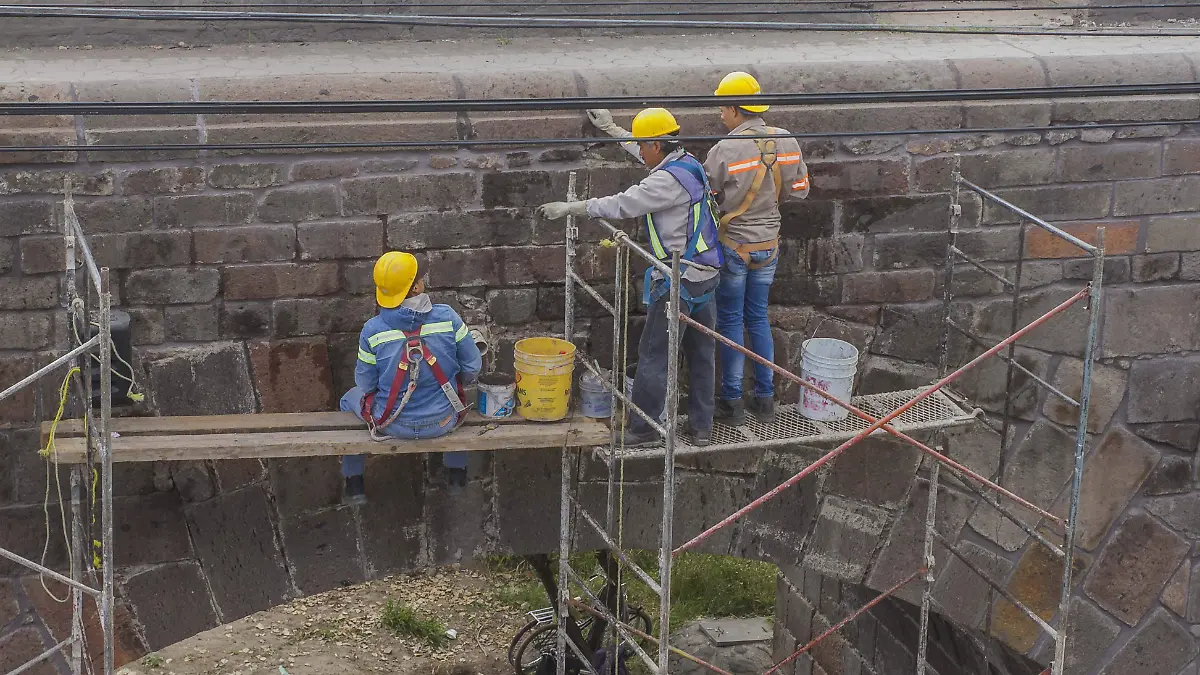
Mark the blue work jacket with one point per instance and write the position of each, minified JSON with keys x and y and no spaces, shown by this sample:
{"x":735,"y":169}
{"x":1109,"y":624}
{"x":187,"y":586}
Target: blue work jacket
{"x":381,"y":345}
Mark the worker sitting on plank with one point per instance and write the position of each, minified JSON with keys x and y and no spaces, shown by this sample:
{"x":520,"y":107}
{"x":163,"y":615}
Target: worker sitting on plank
{"x":738,"y":169}
{"x":413,"y":359}
{"x":675,"y":204}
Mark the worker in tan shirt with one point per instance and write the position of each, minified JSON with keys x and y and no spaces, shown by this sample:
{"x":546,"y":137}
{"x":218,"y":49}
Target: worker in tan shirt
{"x":751,"y":176}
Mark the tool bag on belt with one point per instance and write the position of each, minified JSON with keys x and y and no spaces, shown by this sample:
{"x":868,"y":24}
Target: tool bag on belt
{"x":768,"y":161}
{"x":409,"y":367}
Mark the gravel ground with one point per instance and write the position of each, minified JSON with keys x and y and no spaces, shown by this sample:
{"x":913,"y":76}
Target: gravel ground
{"x":339,"y":632}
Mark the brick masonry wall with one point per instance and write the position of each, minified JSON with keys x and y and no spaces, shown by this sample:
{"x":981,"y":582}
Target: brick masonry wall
{"x":249,"y":276}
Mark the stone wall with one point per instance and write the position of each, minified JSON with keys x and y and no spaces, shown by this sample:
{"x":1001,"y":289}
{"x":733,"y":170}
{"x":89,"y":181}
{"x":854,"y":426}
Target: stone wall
{"x":248,"y":275}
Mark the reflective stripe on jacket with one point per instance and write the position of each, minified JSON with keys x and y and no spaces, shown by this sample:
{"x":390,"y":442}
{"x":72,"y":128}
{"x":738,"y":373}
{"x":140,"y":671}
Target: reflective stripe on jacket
{"x":731,"y":165}
{"x":381,"y":345}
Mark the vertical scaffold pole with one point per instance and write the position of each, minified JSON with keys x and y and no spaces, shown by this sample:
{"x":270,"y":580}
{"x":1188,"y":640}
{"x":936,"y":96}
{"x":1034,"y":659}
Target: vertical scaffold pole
{"x":569,"y":283}
{"x":106,"y":468}
{"x":668,"y":516}
{"x":78,"y":550}
{"x":927,"y":593}
{"x":564,"y":516}
{"x":948,"y":273}
{"x":1085,"y":399}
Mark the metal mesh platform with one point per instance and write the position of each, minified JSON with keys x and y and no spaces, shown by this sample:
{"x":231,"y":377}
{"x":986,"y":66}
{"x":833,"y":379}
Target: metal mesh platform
{"x":937,"y":411}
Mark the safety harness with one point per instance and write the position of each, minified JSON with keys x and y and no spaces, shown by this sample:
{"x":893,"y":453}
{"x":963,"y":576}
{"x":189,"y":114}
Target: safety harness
{"x":409,"y":365}
{"x":701,"y":248}
{"x":768,"y":161}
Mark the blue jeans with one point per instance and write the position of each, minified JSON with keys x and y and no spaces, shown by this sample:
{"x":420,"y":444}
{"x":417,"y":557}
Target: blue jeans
{"x":742,"y":305}
{"x":650,"y":383}
{"x":356,"y":465}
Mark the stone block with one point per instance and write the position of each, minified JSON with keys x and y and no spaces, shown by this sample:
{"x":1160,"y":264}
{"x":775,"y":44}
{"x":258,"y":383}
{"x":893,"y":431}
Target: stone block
{"x":1173,"y":233}
{"x":783,"y":522}
{"x":1180,"y":156}
{"x":1155,"y":267}
{"x":142,"y":249}
{"x":320,"y":316}
{"x":22,"y":645}
{"x":807,"y":219}
{"x":22,"y":530}
{"x":1159,"y":647}
{"x":512,"y":306}
{"x":9,"y":607}
{"x":1038,"y":469}
{"x":161,"y":180}
{"x":1175,"y":596}
{"x":499,"y":266}
{"x":902,"y":553}
{"x":959,"y":591}
{"x":881,"y":374}
{"x":1161,"y":195}
{"x":172,"y":286}
{"x":1037,"y":583}
{"x":1172,"y":476}
{"x":1189,"y":267}
{"x":235,"y":542}
{"x":902,"y":214}
{"x":876,"y":470}
{"x":171,"y":602}
{"x":151,"y":529}
{"x":1117,"y":161}
{"x":40,"y":292}
{"x":995,"y":243}
{"x":987,"y":383}
{"x":1154,"y":320}
{"x":292,"y":375}
{"x":892,"y":286}
{"x":41,"y":254}
{"x":18,"y":409}
{"x":26,"y":330}
{"x":284,"y":280}
{"x":323,"y":550}
{"x":190,"y":323}
{"x":219,"y":377}
{"x":296,"y":204}
{"x":99,"y":183}
{"x":26,"y":217}
{"x":817,"y":291}
{"x":1111,"y":477}
{"x":254,"y":243}
{"x":112,"y":215}
{"x":1052,"y":203}
{"x":1108,"y":389}
{"x":456,"y":524}
{"x":1163,"y":390}
{"x":903,"y":332}
{"x":1180,"y":512}
{"x":324,"y":170}
{"x":56,"y":616}
{"x":976,"y":446}
{"x":845,"y":535}
{"x":247,"y":176}
{"x":232,"y":474}
{"x":1090,"y":635}
{"x":1134,"y":567}
{"x":193,"y":481}
{"x":1006,"y":114}
{"x":1064,"y":333}
{"x":8,"y":254}
{"x":1183,"y":436}
{"x":245,"y":320}
{"x":235,"y":208}
{"x":905,"y":250}
{"x":357,"y":277}
{"x":322,"y":241}
{"x":993,"y":169}
{"x":858,"y":178}
{"x":835,"y":255}
{"x":1119,"y":238}
{"x":391,"y":194}
{"x":391,"y":519}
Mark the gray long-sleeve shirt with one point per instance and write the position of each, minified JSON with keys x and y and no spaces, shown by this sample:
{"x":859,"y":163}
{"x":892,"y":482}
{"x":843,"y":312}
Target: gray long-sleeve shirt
{"x":662,"y":195}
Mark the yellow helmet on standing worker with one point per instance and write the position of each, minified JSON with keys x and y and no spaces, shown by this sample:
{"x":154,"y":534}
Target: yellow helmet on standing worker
{"x":395,"y":273}
{"x":654,"y":122}
{"x":741,"y":84}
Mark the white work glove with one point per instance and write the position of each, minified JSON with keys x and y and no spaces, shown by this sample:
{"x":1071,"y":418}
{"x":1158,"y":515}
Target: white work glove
{"x":603,"y":120}
{"x":556,"y":210}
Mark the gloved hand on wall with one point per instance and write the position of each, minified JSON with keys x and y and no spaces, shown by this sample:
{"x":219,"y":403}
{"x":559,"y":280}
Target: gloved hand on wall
{"x":603,"y":120}
{"x":556,"y":210}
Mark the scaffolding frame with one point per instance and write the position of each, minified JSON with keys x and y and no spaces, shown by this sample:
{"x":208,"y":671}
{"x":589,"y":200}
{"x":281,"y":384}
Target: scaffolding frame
{"x":980,"y":485}
{"x":99,"y":445}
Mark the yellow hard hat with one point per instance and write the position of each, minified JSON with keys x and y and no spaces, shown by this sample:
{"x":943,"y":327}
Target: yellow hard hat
{"x":395,"y":273}
{"x":741,"y":84}
{"x":654,"y":122}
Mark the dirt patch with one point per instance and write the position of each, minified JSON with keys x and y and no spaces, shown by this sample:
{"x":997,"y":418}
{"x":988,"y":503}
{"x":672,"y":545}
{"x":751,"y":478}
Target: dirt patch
{"x":340,"y":632}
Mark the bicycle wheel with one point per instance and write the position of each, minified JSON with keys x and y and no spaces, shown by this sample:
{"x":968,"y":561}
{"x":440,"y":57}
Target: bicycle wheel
{"x":512,"y":646}
{"x":539,"y":643}
{"x":640,"y":620}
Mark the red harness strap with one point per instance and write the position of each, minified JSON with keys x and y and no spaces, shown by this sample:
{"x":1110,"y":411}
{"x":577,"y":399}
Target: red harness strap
{"x":415,"y":351}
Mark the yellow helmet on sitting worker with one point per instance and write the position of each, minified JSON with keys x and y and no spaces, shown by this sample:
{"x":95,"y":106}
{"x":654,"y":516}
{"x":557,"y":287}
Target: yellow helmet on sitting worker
{"x":741,"y":84}
{"x":395,"y":274}
{"x":654,"y":122}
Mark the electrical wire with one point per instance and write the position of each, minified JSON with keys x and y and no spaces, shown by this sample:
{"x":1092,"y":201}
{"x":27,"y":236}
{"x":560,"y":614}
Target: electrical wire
{"x":566,"y":22}
{"x":588,"y":102}
{"x":50,"y":455}
{"x":592,"y":140}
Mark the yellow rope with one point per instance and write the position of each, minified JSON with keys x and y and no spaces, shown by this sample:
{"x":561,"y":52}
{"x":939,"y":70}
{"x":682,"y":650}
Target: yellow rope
{"x":50,"y":455}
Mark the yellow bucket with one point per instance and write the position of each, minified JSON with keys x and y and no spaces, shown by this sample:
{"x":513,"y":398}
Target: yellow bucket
{"x":544,"y":366}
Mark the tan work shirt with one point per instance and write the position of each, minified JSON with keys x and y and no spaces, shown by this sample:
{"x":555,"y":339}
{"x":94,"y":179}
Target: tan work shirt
{"x":731,"y":165}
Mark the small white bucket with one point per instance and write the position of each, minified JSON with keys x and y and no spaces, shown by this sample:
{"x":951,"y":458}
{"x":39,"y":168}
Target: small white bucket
{"x":829,"y":365}
{"x":497,"y":395}
{"x":595,"y":401}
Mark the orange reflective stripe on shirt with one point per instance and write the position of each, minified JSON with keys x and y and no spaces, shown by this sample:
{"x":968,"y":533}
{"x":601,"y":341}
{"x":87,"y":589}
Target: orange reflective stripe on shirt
{"x":744,"y":166}
{"x":801,"y":184}
{"x":793,"y":158}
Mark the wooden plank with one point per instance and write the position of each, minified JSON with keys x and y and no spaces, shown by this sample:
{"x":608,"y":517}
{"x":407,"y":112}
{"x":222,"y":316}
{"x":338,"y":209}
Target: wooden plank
{"x":232,"y":424}
{"x":529,"y":435}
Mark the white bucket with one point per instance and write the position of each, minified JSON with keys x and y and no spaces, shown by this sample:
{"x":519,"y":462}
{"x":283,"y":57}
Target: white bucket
{"x":497,"y":395}
{"x":595,"y":400}
{"x":829,"y":365}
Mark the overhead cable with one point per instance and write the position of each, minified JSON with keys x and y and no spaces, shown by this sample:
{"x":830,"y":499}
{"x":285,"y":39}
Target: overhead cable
{"x":525,"y":22}
{"x":595,"y":140}
{"x":585,"y":102}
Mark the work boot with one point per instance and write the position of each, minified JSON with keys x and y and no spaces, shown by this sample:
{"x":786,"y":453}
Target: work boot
{"x":763,"y":408}
{"x":732,"y":412}
{"x":701,"y":438}
{"x":456,"y":477}
{"x":355,"y":491}
{"x":633,"y":439}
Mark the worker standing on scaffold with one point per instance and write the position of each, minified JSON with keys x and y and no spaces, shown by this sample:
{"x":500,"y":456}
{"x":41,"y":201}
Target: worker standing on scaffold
{"x":675,"y":205}
{"x":413,"y":359}
{"x":749,"y":232}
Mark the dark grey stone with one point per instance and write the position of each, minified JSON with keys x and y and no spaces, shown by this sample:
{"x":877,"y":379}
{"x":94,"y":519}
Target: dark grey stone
{"x":391,"y":519}
{"x":845,"y":535}
{"x":323,"y":550}
{"x":1182,"y":512}
{"x":457,"y":523}
{"x":527,"y":508}
{"x":306,"y":484}
{"x":1172,"y":476}
{"x":1164,"y":390}
{"x":1134,"y":568}
{"x":1154,"y":320}
{"x":150,"y":529}
{"x":960,"y":591}
{"x":1091,"y":633}
{"x":876,"y":470}
{"x":1160,"y":647}
{"x":1108,"y":389}
{"x":218,"y":375}
{"x":171,"y":602}
{"x":1183,"y":436}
